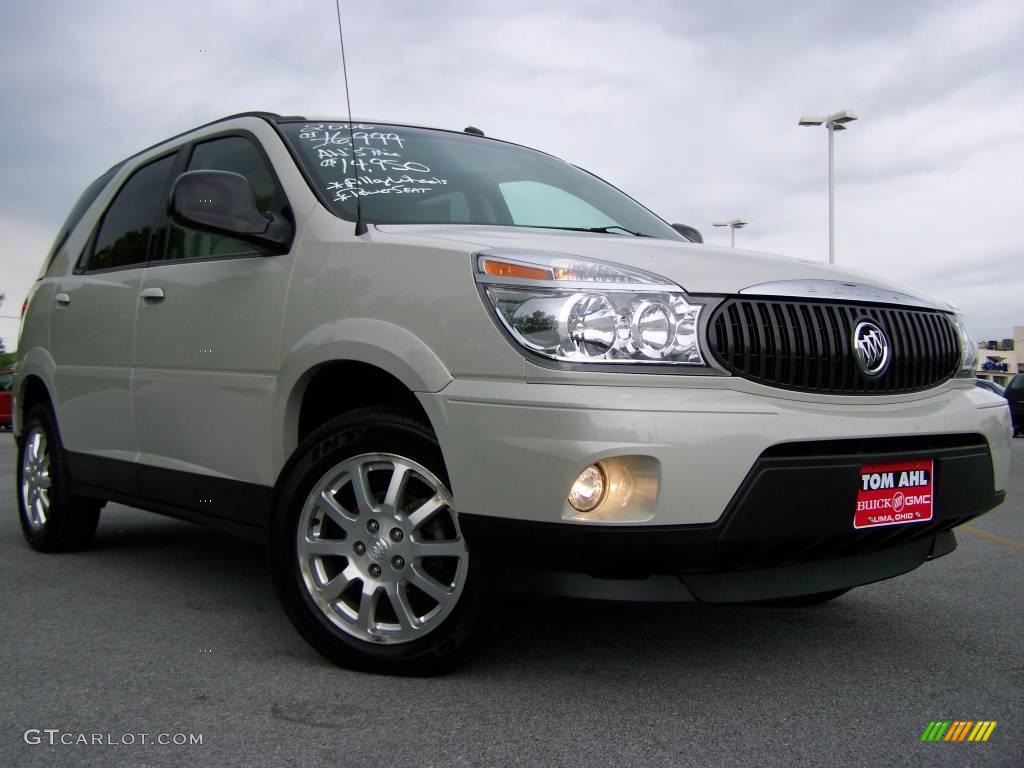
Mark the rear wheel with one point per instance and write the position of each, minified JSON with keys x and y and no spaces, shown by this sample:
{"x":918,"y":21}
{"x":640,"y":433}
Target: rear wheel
{"x":366,"y":550}
{"x":52,"y":518}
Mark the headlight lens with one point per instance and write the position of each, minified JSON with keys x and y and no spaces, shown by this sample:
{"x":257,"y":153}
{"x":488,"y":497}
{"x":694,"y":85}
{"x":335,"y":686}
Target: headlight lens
{"x":968,"y":349}
{"x":589,"y":490}
{"x":580,"y":311}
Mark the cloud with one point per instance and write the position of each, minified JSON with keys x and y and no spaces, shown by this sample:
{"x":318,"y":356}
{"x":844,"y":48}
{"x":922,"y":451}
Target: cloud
{"x":33,"y":242}
{"x":689,"y":106}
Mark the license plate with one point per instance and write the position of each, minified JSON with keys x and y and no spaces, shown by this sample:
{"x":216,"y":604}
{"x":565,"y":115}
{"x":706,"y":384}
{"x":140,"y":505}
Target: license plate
{"x":895,"y":493}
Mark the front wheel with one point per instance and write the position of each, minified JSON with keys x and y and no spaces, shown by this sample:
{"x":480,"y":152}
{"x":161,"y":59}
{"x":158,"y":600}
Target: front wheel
{"x":366,"y":551}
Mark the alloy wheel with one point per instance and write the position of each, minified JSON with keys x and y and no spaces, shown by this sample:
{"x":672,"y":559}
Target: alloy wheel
{"x":35,"y":478}
{"x":380,"y":550}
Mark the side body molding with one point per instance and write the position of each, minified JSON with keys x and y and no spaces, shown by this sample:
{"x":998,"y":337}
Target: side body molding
{"x":384,"y":345}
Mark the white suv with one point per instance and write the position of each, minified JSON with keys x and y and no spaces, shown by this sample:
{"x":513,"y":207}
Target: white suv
{"x":416,"y":362}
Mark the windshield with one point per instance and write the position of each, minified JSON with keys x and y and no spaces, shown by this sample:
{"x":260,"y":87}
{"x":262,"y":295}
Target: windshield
{"x":419,"y":176}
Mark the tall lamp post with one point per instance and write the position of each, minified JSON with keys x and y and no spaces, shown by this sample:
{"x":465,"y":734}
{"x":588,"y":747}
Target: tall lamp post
{"x":834,"y":122}
{"x":733,"y":225}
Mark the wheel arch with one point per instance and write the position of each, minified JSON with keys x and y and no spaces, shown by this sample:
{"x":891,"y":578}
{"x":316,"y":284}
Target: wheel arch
{"x":351,"y":364}
{"x":34,"y":377}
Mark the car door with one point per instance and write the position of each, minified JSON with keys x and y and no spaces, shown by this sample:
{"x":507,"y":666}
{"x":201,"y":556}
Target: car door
{"x":207,"y":350}
{"x":92,"y":333}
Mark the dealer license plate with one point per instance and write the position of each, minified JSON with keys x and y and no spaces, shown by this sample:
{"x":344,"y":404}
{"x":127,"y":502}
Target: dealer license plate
{"x":895,"y":493}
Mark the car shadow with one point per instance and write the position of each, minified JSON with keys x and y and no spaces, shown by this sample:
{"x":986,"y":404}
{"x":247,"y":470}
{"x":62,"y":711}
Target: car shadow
{"x":547,"y":636}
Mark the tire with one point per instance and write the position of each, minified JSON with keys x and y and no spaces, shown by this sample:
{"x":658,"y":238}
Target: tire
{"x":804,"y":601}
{"x":52,"y":518}
{"x":381,"y":580}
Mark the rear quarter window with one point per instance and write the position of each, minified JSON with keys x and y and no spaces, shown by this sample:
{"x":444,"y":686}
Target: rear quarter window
{"x":78,"y":211}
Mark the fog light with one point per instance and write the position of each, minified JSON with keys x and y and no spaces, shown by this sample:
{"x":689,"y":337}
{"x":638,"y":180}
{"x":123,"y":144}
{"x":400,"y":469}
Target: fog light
{"x":589,"y":490}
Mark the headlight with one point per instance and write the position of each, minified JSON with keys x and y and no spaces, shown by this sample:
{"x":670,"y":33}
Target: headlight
{"x":580,"y":311}
{"x":968,"y":349}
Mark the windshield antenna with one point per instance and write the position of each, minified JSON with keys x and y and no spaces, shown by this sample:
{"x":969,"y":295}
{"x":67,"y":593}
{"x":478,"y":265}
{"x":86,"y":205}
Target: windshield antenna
{"x":360,"y":224}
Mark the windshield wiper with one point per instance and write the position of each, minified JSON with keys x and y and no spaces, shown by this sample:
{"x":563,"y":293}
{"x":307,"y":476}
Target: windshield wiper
{"x":614,"y":229}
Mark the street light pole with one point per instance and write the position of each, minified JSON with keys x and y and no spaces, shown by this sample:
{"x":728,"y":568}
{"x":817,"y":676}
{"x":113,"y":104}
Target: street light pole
{"x":831,"y":195}
{"x":733,"y":225}
{"x":835,"y":122}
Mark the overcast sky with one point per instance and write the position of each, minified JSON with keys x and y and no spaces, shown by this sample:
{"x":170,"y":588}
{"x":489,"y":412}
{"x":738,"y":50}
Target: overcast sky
{"x":691,"y":107}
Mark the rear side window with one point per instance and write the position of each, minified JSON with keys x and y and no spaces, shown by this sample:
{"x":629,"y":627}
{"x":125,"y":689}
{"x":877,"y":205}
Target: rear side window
{"x":237,"y":155}
{"x":123,"y":237}
{"x":6,"y":379}
{"x":87,"y":199}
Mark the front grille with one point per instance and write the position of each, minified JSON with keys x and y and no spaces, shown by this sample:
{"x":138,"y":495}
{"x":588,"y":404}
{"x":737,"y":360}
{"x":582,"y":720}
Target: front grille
{"x":808,"y":345}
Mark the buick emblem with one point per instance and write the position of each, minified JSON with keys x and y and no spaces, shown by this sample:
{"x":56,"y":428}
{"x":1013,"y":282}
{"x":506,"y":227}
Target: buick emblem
{"x":871,"y":347}
{"x":378,"y":549}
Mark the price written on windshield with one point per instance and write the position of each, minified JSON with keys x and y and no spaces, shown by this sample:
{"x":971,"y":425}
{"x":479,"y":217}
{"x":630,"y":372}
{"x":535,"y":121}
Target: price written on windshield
{"x":370,"y":161}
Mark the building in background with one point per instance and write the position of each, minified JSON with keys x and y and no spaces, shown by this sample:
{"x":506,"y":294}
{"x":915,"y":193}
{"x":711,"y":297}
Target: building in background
{"x":999,"y":360}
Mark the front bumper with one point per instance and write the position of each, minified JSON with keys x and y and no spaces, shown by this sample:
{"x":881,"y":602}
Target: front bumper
{"x":755,"y":497}
{"x":513,"y":449}
{"x":795,"y":505}
{"x":770,"y":543}
{"x":795,"y":579}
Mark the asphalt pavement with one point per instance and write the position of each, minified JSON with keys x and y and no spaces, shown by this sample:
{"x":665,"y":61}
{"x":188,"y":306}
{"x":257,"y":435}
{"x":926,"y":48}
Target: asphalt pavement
{"x":165,"y":631}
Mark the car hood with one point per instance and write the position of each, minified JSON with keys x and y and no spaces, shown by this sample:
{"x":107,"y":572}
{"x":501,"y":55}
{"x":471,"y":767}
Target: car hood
{"x":696,"y":267}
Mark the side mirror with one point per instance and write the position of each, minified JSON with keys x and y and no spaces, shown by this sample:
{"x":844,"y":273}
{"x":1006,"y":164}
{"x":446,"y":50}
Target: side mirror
{"x":689,"y":233}
{"x":224,"y":203}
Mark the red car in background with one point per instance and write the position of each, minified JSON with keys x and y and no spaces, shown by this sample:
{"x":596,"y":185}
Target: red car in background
{"x":5,"y":398}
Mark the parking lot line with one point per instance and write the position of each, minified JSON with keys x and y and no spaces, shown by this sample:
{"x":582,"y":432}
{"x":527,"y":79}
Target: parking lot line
{"x":1013,"y":543}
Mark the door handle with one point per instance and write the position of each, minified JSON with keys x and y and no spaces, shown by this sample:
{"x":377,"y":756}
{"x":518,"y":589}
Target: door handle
{"x":63,"y":299}
{"x":152,"y":294}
